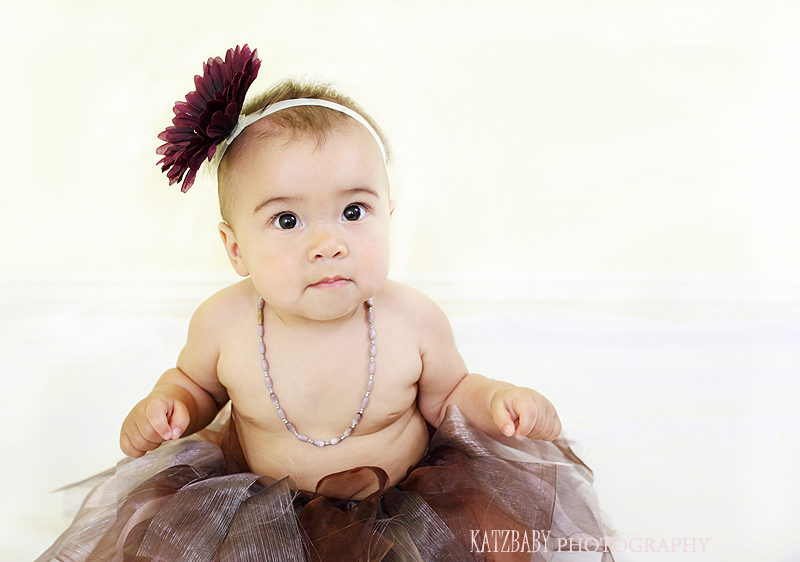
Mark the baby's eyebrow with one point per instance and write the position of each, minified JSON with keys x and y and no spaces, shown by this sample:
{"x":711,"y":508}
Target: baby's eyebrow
{"x":355,"y":190}
{"x":280,"y":199}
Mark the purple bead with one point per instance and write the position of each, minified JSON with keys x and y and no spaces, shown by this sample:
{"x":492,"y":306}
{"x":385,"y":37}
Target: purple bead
{"x":372,"y":333}
{"x":373,"y":351}
{"x":357,"y":419}
{"x":370,"y":317}
{"x":335,"y":440}
{"x":264,"y":365}
{"x":260,"y":302}
{"x":261,"y":331}
{"x":268,"y":382}
{"x":348,"y":431}
{"x":262,"y":347}
{"x":372,"y":368}
{"x":282,"y":414}
{"x":369,"y":386}
{"x":369,"y":301}
{"x":364,"y":403}
{"x":319,"y":443}
{"x":290,"y":427}
{"x":273,"y":398}
{"x":302,"y":437}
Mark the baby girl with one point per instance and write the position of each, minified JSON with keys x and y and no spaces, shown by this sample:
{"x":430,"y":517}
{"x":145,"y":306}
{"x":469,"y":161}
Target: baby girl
{"x":306,"y":210}
{"x":328,"y":366}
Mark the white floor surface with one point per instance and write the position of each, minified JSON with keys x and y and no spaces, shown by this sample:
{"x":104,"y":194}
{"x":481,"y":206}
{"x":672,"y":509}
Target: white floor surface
{"x":692,"y":427}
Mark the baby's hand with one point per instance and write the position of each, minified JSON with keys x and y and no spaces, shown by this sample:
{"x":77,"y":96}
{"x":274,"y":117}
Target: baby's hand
{"x":524,"y":413}
{"x":152,"y":421}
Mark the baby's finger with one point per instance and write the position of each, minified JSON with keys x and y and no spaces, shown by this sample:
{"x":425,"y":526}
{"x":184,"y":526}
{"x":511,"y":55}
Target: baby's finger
{"x":542,"y":427}
{"x":528,"y":418}
{"x":502,"y":418}
{"x":144,"y":437}
{"x":138,"y":441}
{"x":179,"y":420}
{"x":556,"y":429}
{"x":157,"y":415}
{"x":544,"y":424}
{"x":127,"y":447}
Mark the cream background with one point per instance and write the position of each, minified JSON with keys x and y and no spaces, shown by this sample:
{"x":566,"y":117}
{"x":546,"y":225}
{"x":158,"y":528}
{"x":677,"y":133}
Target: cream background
{"x":559,"y":136}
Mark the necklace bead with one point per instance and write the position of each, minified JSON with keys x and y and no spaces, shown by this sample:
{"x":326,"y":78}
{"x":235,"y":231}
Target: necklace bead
{"x":373,"y":351}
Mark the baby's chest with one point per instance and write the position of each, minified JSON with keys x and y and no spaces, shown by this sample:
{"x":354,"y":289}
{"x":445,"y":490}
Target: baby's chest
{"x":321,"y":389}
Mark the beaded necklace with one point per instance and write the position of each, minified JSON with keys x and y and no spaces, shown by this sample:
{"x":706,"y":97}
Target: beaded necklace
{"x":274,"y":397}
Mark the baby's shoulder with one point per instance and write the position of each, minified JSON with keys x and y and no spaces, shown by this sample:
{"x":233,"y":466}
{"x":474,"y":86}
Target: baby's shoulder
{"x":412,"y":306}
{"x":225,"y":308}
{"x":416,"y":318}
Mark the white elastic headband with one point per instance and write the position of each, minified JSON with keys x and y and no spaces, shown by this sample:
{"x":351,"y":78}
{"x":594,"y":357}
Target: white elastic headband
{"x":246,"y":120}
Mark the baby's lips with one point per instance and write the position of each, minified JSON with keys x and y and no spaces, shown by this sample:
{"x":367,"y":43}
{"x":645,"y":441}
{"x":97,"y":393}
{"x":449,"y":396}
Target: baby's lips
{"x":329,"y":281}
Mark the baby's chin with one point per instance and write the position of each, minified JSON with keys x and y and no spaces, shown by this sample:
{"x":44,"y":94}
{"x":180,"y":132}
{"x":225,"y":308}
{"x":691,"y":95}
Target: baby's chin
{"x":325,"y":301}
{"x":341,"y":308}
{"x":329,"y":306}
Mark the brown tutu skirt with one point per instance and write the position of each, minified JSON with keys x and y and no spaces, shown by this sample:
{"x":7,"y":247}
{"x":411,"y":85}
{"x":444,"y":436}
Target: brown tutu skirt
{"x":470,"y":498}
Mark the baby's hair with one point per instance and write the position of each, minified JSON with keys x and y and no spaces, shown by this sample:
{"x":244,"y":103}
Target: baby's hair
{"x":303,"y":120}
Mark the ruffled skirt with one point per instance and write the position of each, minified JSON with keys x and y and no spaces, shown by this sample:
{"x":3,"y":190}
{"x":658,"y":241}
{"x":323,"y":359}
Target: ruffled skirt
{"x":470,"y":498}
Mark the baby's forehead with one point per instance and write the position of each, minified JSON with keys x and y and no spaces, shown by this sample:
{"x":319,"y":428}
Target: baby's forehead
{"x":269,"y":134}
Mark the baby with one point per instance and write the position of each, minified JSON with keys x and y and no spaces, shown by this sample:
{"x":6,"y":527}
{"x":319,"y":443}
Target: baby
{"x":334,"y":374}
{"x":306,"y":208}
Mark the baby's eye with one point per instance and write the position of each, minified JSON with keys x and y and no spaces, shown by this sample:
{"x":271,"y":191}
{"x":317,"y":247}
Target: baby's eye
{"x":286,"y":221}
{"x":354,"y":212}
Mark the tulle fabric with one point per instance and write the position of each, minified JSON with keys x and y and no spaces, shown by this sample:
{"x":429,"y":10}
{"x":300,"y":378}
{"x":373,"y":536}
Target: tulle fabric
{"x":194,"y":500}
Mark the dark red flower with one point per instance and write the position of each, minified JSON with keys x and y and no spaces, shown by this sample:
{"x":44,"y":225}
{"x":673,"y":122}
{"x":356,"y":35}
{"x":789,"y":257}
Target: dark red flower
{"x":208,"y":115}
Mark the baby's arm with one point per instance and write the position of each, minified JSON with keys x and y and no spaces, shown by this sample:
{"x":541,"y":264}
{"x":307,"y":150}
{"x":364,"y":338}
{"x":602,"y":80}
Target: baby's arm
{"x":496,"y":407}
{"x":186,"y":398}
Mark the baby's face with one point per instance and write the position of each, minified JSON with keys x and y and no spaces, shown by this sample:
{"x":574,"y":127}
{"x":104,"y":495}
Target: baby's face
{"x":310,"y":221}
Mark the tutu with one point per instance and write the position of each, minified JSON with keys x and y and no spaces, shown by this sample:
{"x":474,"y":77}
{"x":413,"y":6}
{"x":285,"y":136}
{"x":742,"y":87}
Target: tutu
{"x":470,"y":498}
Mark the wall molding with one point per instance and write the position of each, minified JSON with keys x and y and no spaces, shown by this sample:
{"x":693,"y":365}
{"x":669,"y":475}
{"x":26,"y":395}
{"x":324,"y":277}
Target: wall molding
{"x":662,"y":293}
{"x":670,"y":294}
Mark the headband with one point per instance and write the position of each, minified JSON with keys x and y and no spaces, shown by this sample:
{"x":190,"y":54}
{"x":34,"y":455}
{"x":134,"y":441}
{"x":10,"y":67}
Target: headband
{"x":249,"y":119}
{"x":211,"y":115}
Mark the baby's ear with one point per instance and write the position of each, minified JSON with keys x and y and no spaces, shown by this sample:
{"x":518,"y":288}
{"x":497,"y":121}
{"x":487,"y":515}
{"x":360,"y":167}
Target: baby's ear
{"x":232,"y":248}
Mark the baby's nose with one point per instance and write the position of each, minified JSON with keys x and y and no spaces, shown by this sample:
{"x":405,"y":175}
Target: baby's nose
{"x":326,"y":244}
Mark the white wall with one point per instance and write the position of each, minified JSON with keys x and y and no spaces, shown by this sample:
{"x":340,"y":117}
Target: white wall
{"x":529,"y":137}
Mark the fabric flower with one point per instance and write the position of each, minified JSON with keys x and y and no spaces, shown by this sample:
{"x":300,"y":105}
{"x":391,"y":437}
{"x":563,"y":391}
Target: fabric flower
{"x":208,"y":115}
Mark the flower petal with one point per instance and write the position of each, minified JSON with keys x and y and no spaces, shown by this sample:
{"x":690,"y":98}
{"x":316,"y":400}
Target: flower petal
{"x":208,"y":114}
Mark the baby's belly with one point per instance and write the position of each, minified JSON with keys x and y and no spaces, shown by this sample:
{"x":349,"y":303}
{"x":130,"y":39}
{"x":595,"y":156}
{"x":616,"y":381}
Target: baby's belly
{"x":395,"y":448}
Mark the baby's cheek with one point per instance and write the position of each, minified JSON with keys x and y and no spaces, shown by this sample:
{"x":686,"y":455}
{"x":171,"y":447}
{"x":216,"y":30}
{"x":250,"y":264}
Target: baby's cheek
{"x":380,"y":250}
{"x":379,"y":264}
{"x":276,"y":281}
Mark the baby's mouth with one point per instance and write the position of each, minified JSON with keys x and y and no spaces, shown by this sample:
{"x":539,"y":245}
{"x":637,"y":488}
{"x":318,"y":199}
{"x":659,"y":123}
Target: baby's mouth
{"x":330,"y":283}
